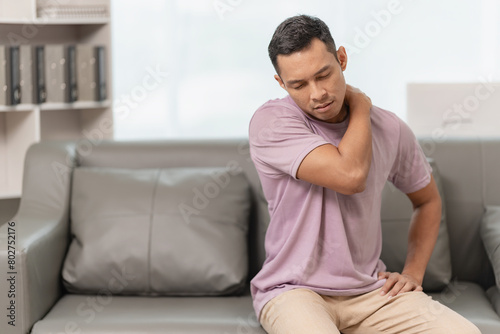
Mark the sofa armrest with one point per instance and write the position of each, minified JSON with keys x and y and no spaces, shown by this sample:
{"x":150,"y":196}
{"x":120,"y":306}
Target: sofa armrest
{"x":33,"y":244}
{"x":30,"y":260}
{"x":490,"y":234}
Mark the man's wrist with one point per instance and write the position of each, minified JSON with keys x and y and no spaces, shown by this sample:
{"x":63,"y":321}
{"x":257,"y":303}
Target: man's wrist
{"x":361,"y":111}
{"x":416,"y":275}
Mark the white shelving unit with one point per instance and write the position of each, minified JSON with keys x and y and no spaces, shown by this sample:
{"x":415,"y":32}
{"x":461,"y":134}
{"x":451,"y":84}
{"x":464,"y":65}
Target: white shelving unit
{"x":23,"y":125}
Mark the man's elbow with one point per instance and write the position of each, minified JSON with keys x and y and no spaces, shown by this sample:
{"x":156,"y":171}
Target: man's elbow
{"x":359,"y":187}
{"x":356,"y":183}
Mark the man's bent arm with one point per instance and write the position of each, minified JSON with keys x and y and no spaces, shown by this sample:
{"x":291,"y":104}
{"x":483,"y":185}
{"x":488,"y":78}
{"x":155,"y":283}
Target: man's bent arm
{"x":344,"y":168}
{"x":424,"y":229}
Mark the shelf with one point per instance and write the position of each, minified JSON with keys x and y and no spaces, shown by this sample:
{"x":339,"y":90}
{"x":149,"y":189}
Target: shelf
{"x":81,"y":105}
{"x":48,"y":22}
{"x":10,"y":195}
{"x":19,"y":107}
{"x":25,"y":124}
{"x":79,"y":21}
{"x":4,"y":20}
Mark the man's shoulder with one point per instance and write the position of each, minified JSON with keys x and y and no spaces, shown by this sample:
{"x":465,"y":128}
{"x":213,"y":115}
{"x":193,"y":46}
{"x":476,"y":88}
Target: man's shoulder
{"x":381,"y":113}
{"x":385,"y":120}
{"x":275,"y":111}
{"x":278,"y":105}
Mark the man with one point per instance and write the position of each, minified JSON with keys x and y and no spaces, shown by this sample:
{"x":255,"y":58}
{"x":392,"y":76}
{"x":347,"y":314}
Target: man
{"x":323,"y":154}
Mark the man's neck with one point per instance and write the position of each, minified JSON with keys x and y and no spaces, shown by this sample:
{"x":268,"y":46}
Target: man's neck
{"x":344,"y":112}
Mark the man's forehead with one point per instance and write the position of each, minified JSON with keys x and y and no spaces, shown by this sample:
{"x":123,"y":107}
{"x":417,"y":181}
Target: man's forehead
{"x":305,"y":62}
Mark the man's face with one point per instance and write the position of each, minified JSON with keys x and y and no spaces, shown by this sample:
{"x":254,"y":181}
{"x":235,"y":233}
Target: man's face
{"x":315,"y":81}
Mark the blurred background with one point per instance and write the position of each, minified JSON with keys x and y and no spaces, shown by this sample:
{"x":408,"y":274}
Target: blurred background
{"x":214,"y":71}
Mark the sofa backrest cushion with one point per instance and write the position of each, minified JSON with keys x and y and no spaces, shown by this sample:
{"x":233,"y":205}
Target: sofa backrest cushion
{"x":172,"y":231}
{"x":396,"y":216}
{"x":469,"y":173}
{"x":225,"y":153}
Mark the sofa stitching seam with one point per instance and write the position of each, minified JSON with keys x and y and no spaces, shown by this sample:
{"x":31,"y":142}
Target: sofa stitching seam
{"x":151,"y":218}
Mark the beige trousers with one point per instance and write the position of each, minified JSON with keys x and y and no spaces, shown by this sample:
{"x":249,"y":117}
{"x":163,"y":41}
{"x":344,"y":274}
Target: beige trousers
{"x":302,"y":311}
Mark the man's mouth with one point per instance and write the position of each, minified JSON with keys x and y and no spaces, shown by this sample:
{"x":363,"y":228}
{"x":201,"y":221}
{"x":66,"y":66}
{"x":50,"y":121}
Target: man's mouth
{"x":323,"y":106}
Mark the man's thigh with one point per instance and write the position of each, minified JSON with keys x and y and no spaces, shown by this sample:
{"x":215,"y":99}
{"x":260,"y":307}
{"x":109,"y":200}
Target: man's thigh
{"x":298,"y":311}
{"x":411,"y":312}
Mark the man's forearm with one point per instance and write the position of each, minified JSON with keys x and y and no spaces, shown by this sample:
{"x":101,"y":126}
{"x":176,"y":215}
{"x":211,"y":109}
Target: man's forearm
{"x":422,"y":237}
{"x":424,"y":229}
{"x":356,"y":145}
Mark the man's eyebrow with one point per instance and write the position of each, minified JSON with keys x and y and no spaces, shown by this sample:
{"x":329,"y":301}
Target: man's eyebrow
{"x":324,"y":68}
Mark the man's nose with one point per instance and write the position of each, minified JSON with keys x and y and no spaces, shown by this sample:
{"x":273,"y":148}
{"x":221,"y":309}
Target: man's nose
{"x":318,"y":93}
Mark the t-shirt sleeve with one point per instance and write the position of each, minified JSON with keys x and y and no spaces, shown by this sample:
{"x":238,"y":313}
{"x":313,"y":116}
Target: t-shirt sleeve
{"x":411,"y":171}
{"x":280,"y":139}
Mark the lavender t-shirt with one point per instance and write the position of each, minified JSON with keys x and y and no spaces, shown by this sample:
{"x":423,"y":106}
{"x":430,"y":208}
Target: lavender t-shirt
{"x":318,"y":238}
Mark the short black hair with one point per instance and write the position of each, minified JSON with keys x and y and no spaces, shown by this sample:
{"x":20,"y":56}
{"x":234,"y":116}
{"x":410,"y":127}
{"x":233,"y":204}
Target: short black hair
{"x":295,"y":34}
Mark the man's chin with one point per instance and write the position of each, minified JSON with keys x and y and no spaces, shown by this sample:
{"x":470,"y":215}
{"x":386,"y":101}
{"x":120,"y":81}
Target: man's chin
{"x":330,"y":117}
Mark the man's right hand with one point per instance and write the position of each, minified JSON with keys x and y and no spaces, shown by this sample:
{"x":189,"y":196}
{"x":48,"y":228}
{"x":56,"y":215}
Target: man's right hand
{"x":357,"y":100}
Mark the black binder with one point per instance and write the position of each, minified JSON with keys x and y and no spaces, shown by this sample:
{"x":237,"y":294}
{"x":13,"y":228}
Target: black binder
{"x":100,"y":56}
{"x":71,"y":72}
{"x":40,"y":91}
{"x":14,"y":76}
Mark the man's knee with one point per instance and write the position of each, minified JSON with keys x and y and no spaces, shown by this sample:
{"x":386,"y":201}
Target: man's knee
{"x":430,"y":316}
{"x":452,"y":322}
{"x":468,"y":328}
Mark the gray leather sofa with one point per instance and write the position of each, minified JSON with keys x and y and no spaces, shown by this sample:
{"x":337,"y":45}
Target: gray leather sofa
{"x":64,"y":278}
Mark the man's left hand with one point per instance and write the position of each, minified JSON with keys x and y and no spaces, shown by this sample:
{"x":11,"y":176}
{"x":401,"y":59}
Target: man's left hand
{"x":398,"y":283}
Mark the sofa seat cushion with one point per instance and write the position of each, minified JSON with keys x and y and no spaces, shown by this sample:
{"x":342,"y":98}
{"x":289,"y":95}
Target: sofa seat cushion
{"x":139,"y":314}
{"x":177,"y":231}
{"x":470,"y":300}
{"x":494,"y":296}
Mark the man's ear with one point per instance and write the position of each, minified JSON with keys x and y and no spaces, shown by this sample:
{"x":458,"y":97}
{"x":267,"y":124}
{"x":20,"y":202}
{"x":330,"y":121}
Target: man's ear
{"x":342,"y":57}
{"x":278,"y":78}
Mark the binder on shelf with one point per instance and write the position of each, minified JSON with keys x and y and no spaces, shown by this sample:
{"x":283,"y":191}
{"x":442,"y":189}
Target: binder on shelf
{"x":86,"y":72}
{"x":55,"y":73}
{"x":52,"y":73}
{"x":3,"y":75}
{"x":13,"y":76}
{"x":40,"y":90}
{"x":101,"y":73}
{"x":72,"y":75}
{"x":27,"y":73}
